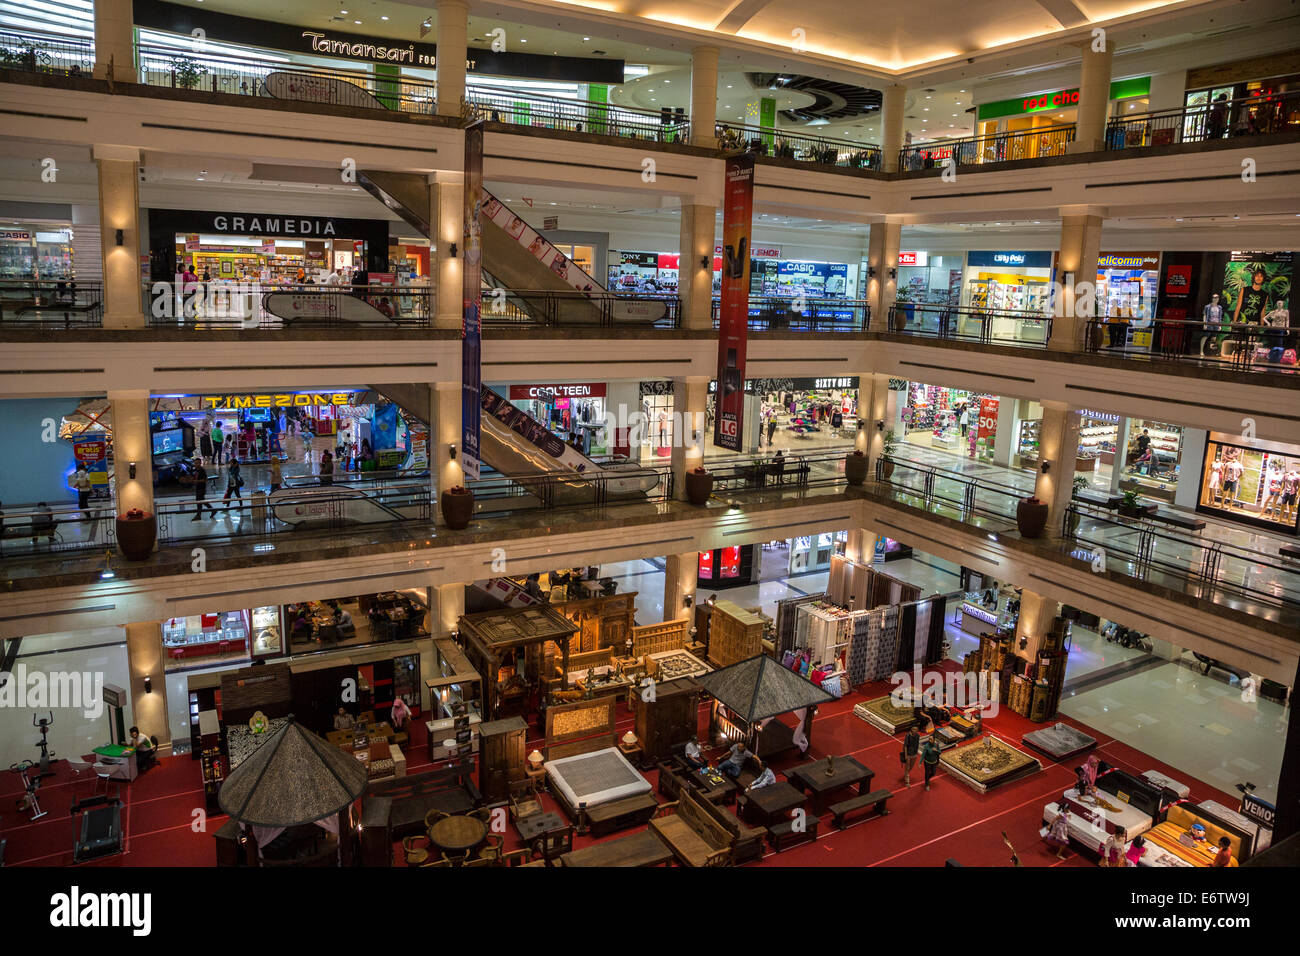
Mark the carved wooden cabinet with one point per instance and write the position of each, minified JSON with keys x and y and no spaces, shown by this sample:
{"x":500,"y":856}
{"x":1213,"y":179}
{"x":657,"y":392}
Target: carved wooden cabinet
{"x":501,"y":757}
{"x":669,"y":720}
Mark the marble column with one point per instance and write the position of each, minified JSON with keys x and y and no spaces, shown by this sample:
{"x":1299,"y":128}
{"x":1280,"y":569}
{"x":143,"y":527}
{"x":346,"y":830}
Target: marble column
{"x":145,"y":659}
{"x":893,"y":106}
{"x":447,"y":223}
{"x":444,"y":435}
{"x":1037,"y":613}
{"x":1094,"y":100}
{"x":882,"y":256}
{"x":449,"y":69}
{"x":1077,"y":274}
{"x":861,"y":546}
{"x":1058,"y":444}
{"x":115,"y":40}
{"x":704,"y":98}
{"x":690,"y":397}
{"x":681,"y":579}
{"x":132,"y":443}
{"x":695,"y":266}
{"x":119,"y":213}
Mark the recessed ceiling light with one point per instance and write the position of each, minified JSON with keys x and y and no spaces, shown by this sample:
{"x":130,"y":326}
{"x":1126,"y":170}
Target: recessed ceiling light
{"x":585,"y":39}
{"x":522,"y":40}
{"x":383,"y":18}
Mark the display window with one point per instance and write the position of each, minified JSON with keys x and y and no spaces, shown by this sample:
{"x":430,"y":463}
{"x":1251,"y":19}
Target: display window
{"x":924,"y":279}
{"x":951,"y":419}
{"x":814,"y":552}
{"x":268,"y":640}
{"x":1127,"y":286}
{"x":1006,"y":292}
{"x":1098,"y":437}
{"x":36,"y":251}
{"x":573,"y":411}
{"x":1153,"y":458}
{"x":1255,"y":483}
{"x":269,"y":261}
{"x":649,"y":273}
{"x":205,"y":636}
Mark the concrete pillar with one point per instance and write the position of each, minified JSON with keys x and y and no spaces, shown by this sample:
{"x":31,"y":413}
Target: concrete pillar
{"x":115,"y":41}
{"x":119,"y":209}
{"x":681,"y":579}
{"x":879,"y":404}
{"x":446,"y":219}
{"x":1077,"y":264}
{"x":1058,"y":442}
{"x":882,"y":256}
{"x":446,"y":607}
{"x":695,"y":281}
{"x":1168,"y":91}
{"x":144,"y":658}
{"x":444,"y":434}
{"x":690,"y":401}
{"x":449,"y":69}
{"x":893,"y":105}
{"x":704,"y":97}
{"x":1121,"y":454}
{"x":861,"y":546}
{"x":132,"y":443}
{"x":1094,"y":99}
{"x":1035,"y":622}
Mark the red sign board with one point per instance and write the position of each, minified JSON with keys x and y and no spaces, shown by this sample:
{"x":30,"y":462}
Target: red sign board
{"x":706,"y":564}
{"x":988,"y":424}
{"x":520,"y":393}
{"x":733,"y":325}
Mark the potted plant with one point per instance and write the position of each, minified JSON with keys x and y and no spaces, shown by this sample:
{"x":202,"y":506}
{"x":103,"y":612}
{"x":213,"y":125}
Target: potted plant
{"x":28,"y":56}
{"x":888,"y":445}
{"x":457,"y":507}
{"x":137,"y":531}
{"x":699,"y":486}
{"x":187,"y":72}
{"x":1031,"y":517}
{"x":855,"y":468}
{"x":1072,"y":515}
{"x":1130,"y":506}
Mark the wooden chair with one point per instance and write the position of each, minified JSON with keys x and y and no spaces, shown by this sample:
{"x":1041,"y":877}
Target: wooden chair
{"x":494,"y":850}
{"x":415,"y":850}
{"x":554,"y":844}
{"x":524,"y":801}
{"x":517,"y":857}
{"x":432,"y":817}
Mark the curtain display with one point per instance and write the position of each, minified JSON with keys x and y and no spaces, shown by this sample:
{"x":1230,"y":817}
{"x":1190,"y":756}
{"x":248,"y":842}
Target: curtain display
{"x":787,"y":613}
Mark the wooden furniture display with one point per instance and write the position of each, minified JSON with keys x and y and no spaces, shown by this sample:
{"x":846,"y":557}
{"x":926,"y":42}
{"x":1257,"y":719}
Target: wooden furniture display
{"x":376,"y":832}
{"x":695,"y":837}
{"x":620,"y":814}
{"x":768,"y":806}
{"x":669,"y":721}
{"x":782,"y":834}
{"x":676,"y":775}
{"x":449,"y":790}
{"x":845,"y":772}
{"x":601,"y":622}
{"x":734,"y":634}
{"x":458,"y":835}
{"x":637,"y":849}
{"x":877,"y":801}
{"x":501,"y":758}
{"x":650,"y":639}
{"x":534,"y":826}
{"x":517,"y":636}
{"x":746,"y":840}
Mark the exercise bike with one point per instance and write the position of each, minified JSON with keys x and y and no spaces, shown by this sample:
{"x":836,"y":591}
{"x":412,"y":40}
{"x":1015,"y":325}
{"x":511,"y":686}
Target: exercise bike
{"x":44,"y":743}
{"x":29,"y":800}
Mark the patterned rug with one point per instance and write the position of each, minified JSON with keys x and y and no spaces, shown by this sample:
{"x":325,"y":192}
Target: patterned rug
{"x":882,"y":713}
{"x":988,"y":763}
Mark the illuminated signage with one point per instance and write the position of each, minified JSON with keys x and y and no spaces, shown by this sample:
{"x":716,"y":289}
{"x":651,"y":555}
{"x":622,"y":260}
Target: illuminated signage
{"x":1060,"y":99}
{"x":277,"y":400}
{"x":543,"y":392}
{"x":913,"y":258}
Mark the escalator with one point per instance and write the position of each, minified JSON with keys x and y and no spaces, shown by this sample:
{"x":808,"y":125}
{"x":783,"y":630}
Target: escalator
{"x":539,"y":279}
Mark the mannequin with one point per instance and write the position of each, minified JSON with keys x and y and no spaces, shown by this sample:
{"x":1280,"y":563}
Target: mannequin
{"x":1212,"y":325}
{"x":1290,"y":489}
{"x":1232,"y":470}
{"x":1216,"y":480}
{"x":1273,"y":490}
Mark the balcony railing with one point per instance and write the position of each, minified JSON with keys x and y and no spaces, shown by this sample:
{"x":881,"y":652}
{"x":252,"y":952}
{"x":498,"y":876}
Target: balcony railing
{"x":56,"y":303}
{"x":786,"y":144}
{"x":775,"y":313}
{"x":1269,"y":346}
{"x":987,"y":326}
{"x":543,"y":308}
{"x":1247,"y":116}
{"x":231,"y":305}
{"x":577,"y":116}
{"x":44,"y":54}
{"x":993,"y":148}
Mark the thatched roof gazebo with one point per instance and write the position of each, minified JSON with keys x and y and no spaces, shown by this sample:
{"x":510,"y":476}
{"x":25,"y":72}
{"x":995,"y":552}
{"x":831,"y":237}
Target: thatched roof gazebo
{"x":752,"y":693}
{"x":293,"y":780}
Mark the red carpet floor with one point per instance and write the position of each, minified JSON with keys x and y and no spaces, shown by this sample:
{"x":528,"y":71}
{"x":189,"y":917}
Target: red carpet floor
{"x":164,"y":825}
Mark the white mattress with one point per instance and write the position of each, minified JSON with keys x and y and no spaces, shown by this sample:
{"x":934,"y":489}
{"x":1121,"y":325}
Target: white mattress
{"x":595,"y":778}
{"x":1125,"y":821}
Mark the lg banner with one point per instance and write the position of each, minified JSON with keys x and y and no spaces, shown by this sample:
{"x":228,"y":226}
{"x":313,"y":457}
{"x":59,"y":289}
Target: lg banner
{"x":733,"y":327}
{"x":471,"y":339}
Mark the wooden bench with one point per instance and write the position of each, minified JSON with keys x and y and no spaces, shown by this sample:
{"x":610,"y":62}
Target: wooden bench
{"x":1289,"y":551}
{"x":450,"y":790}
{"x":877,"y":799}
{"x":784,"y":832}
{"x":692,"y":833}
{"x":1176,"y":520}
{"x":621,"y":814}
{"x":746,"y":840}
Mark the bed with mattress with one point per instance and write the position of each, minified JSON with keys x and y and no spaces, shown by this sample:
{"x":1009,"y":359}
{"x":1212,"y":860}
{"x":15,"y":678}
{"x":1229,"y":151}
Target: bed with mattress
{"x":1169,"y":843}
{"x":591,"y":779}
{"x":988,"y":763}
{"x":1058,"y":741}
{"x":1093,"y":817}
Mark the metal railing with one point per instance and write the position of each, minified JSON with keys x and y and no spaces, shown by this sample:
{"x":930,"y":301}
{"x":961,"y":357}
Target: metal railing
{"x":543,"y":308}
{"x":776,"y":313}
{"x":35,"y":53}
{"x":994,"y":148}
{"x":1242,"y":346}
{"x":577,"y":116}
{"x":1246,"y":116}
{"x":45,"y":303}
{"x":785,"y":144}
{"x":741,"y":474}
{"x":986,"y":326}
{"x":233,"y":305}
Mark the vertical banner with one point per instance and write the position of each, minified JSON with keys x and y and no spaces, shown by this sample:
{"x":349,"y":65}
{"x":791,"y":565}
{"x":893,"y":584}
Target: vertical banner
{"x":733,"y":326}
{"x":471,"y":339}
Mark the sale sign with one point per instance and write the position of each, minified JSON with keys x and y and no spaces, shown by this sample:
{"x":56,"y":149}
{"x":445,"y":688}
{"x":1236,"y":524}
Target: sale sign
{"x":988,"y":424}
{"x":733,"y":325}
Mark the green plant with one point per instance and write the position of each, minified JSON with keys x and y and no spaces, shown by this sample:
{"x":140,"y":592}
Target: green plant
{"x":187,"y":72}
{"x":1131,"y":499}
{"x":29,"y":56}
{"x":889,"y":443}
{"x":1080,"y":483}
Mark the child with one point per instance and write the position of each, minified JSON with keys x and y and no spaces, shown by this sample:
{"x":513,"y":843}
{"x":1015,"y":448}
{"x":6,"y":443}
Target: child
{"x":1059,"y":834}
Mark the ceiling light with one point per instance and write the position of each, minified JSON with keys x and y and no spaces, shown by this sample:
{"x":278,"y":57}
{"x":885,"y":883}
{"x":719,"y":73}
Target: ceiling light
{"x":383,"y":18}
{"x":344,"y":12}
{"x":585,"y":39}
{"x":522,"y":40}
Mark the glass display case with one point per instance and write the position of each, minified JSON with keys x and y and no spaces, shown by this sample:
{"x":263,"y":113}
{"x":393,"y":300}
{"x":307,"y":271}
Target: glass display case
{"x":1027,"y":443}
{"x":205,"y":635}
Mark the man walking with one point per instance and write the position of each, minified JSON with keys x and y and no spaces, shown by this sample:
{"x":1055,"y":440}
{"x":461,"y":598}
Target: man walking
{"x":81,"y":484}
{"x":911,"y":750}
{"x":201,"y":490}
{"x":929,"y":759}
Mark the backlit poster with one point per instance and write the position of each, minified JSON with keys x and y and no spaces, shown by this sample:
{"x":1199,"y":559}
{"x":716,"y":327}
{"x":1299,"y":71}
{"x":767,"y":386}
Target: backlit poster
{"x":471,"y":340}
{"x":733,"y":326}
{"x":1255,"y":284}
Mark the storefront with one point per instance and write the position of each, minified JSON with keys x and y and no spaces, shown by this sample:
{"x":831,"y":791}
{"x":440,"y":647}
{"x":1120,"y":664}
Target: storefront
{"x":1255,"y":482}
{"x":30,"y":250}
{"x":1127,"y":286}
{"x":932,"y":419}
{"x":569,"y":409}
{"x":260,"y":247}
{"x":1043,"y":119}
{"x":925,"y":279}
{"x":1098,"y":442}
{"x":1008,"y":289}
{"x":770,"y":274}
{"x":1252,"y":286}
{"x":1153,"y":458}
{"x":730,"y":567}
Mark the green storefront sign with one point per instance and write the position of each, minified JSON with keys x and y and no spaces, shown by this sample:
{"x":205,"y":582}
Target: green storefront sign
{"x":1060,"y":100}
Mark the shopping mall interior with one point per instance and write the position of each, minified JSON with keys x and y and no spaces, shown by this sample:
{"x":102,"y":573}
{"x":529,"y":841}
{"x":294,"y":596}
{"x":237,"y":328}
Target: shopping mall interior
{"x":581,"y":434}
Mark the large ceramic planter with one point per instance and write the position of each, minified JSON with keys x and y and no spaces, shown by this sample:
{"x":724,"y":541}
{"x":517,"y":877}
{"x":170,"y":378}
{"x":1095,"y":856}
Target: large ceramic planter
{"x":699,"y":486}
{"x":886,"y":468}
{"x":136,"y":534}
{"x":855,"y":468}
{"x":1096,"y":333}
{"x":1031,"y":517}
{"x":457,"y":508}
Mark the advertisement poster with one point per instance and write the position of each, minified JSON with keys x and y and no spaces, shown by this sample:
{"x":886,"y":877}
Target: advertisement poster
{"x":418,"y":459}
{"x":1255,"y":283}
{"x":733,"y":327}
{"x":471,"y":339}
{"x":988,"y":424}
{"x":93,"y":453}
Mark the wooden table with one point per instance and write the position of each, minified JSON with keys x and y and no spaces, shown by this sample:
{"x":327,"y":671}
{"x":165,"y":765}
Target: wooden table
{"x":639,"y":849}
{"x":536,"y":825}
{"x":458,"y":835}
{"x":847,"y":772}
{"x":772,"y":804}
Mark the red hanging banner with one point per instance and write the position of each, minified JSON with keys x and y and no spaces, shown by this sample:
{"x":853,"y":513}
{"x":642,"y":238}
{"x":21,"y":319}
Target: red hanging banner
{"x":733,"y":325}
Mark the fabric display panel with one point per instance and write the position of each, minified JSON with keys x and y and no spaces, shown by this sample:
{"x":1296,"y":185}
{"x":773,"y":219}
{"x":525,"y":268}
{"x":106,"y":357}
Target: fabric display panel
{"x":889,"y":637}
{"x":787,"y":616}
{"x":921,"y":632}
{"x":906,"y":636}
{"x":825,"y":632}
{"x":938,"y":614}
{"x":861,"y":651}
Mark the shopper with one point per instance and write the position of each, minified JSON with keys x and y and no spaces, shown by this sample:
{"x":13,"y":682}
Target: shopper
{"x":765,"y":777}
{"x":911,"y":751}
{"x":205,"y":442}
{"x":1137,"y":849}
{"x":1058,"y":835}
{"x":81,"y":484}
{"x":693,"y":755}
{"x":1217,"y":122}
{"x":343,"y":720}
{"x":276,"y":477}
{"x":964,"y":420}
{"x":735,"y":762}
{"x":771,"y":427}
{"x":929,"y":759}
{"x":400,"y":713}
{"x":326,"y":468}
{"x":201,"y":490}
{"x":1224,"y":856}
{"x":234,"y":482}
{"x":218,"y":439}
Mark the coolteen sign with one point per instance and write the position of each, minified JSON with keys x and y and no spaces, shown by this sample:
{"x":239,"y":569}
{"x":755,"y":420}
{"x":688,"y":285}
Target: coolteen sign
{"x":519,"y":393}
